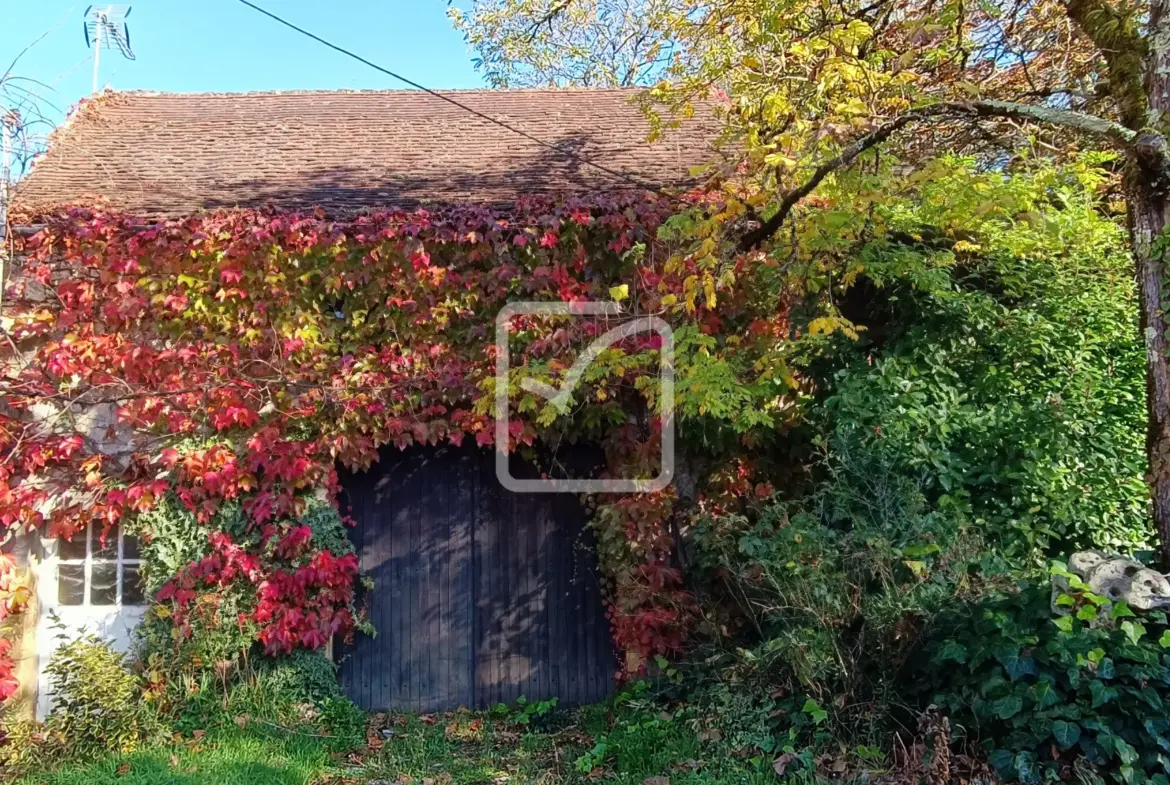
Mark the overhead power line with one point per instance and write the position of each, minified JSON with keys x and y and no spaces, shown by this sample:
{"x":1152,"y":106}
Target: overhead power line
{"x":495,"y":121}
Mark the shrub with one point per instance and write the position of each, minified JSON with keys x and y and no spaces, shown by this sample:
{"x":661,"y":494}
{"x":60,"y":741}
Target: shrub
{"x":343,"y":722}
{"x":97,"y":702}
{"x":1006,"y":386}
{"x":297,"y":690}
{"x":833,"y":591}
{"x":97,"y":707}
{"x":301,"y":677}
{"x":1082,"y":696}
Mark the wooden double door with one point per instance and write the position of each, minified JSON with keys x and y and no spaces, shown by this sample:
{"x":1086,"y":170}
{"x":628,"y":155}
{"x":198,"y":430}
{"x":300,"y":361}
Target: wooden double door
{"x":480,"y":595}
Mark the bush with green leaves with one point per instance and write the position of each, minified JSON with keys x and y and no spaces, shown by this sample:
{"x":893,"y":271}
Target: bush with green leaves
{"x":301,"y":677}
{"x":832,"y":593}
{"x":298,"y":694}
{"x":97,"y":699}
{"x":989,"y":416}
{"x":1083,"y":696}
{"x":1004,"y":377}
{"x":97,"y":707}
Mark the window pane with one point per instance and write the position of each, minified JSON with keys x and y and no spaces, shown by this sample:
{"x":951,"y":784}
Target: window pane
{"x":70,"y":584}
{"x":104,"y":589}
{"x":110,"y":549}
{"x":133,"y":592}
{"x":72,"y":549}
{"x":129,"y":547}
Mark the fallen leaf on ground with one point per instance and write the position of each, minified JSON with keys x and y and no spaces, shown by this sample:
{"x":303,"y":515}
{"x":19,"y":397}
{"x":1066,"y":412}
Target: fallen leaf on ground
{"x":124,"y":769}
{"x":780,"y":765}
{"x":658,"y":779}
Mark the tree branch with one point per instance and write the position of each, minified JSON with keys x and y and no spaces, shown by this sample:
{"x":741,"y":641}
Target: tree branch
{"x":1117,"y":35}
{"x":1079,"y":121}
{"x":547,"y":18}
{"x":846,"y":157}
{"x":1148,"y":147}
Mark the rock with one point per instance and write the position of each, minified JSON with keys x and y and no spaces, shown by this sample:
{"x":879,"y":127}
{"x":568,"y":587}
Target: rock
{"x":1116,"y":578}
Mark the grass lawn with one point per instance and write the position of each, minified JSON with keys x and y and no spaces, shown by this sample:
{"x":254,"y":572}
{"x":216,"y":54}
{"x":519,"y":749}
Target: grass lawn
{"x":235,"y":757}
{"x":584,"y":746}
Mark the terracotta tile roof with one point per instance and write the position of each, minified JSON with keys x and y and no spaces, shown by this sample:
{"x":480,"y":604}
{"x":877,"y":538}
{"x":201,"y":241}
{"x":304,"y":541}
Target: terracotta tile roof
{"x":173,"y":154}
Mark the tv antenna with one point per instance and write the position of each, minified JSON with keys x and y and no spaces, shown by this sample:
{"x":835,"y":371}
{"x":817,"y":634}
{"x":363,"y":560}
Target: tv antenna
{"x":105,"y":27}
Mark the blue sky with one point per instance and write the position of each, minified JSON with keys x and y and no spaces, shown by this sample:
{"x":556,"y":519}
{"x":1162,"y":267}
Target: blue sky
{"x":222,"y":45}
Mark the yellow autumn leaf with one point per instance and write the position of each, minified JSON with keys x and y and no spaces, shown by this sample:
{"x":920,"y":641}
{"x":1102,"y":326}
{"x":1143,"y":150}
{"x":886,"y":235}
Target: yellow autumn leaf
{"x":824,"y":325}
{"x":781,"y":160}
{"x":619,"y":293}
{"x":709,"y":290}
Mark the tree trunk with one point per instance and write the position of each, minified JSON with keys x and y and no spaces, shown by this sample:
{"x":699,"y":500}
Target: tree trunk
{"x":1147,"y":184}
{"x":1147,"y":220}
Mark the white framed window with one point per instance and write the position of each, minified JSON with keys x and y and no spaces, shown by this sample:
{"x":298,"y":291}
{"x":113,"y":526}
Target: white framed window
{"x":91,"y":573}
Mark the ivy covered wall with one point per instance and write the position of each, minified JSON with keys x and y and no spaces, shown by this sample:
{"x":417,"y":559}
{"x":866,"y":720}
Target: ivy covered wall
{"x":198,"y":380}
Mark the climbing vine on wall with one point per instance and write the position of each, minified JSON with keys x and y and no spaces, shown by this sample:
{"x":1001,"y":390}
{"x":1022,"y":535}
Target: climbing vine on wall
{"x":237,"y":358}
{"x":224,"y":365}
{"x":14,"y":597}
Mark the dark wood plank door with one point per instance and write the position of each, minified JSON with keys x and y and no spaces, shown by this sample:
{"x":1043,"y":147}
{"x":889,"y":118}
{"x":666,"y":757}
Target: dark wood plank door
{"x":480,"y":595}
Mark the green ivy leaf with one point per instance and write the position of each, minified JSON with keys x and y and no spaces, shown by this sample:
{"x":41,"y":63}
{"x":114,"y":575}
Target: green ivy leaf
{"x":814,"y":710}
{"x":1066,"y":733}
{"x":1101,"y":693}
{"x":1015,"y":663}
{"x":952,"y":651}
{"x":1096,"y":599}
{"x":1133,"y":630}
{"x":1044,"y":694}
{"x":1026,"y":768}
{"x":1105,"y":669}
{"x":1007,"y":706}
{"x":1121,"y":610}
{"x":1003,"y":761}
{"x":1125,"y":750}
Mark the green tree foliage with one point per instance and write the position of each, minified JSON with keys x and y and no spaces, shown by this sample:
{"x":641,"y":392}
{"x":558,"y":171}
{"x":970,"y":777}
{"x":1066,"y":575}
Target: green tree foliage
{"x":1009,"y":389}
{"x":818,"y":94}
{"x":565,"y":43}
{"x":987,"y":413}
